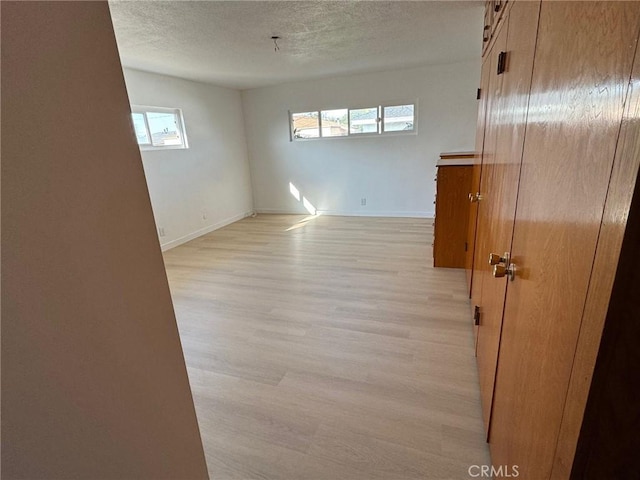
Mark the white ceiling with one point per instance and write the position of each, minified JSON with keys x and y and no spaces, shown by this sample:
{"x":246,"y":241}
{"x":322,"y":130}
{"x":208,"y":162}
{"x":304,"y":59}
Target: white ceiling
{"x":228,"y":43}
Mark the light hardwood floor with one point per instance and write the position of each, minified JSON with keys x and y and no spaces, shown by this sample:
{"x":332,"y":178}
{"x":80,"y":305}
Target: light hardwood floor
{"x":328,"y":348}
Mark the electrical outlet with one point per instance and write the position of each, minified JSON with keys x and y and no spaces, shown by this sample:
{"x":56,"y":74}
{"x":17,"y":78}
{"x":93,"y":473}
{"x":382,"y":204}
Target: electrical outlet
{"x":161,"y":231}
{"x":363,"y":201}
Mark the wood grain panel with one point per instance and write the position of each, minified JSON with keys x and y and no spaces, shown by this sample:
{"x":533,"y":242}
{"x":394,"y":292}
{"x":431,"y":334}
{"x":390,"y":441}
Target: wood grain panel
{"x":457,"y":156}
{"x":488,"y":330}
{"x":477,"y":172}
{"x":483,"y":221}
{"x":609,"y":441}
{"x":495,"y":14}
{"x":612,"y":232}
{"x":500,"y":182}
{"x":452,"y":216}
{"x":583,"y":63}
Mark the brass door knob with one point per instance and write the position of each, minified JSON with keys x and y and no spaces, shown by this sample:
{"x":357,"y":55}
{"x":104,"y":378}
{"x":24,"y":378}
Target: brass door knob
{"x":501,"y":270}
{"x":475,"y":197}
{"x":495,"y":259}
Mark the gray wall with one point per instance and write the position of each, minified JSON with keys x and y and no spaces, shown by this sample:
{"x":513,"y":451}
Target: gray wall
{"x":93,"y":378}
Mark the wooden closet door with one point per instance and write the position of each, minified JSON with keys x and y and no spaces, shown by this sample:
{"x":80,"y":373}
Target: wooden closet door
{"x":488,"y":152}
{"x":477,"y":171}
{"x":500,"y":176}
{"x":583,"y":62}
{"x":611,"y":387}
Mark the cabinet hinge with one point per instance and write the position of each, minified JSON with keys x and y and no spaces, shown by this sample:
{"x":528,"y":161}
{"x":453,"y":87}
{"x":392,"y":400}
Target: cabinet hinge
{"x":502,"y":62}
{"x":466,"y":247}
{"x":476,"y":315}
{"x":478,"y":92}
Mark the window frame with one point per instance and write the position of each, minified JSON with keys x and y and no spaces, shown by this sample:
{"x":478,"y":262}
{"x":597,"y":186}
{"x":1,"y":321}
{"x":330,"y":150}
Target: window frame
{"x":380,"y":121}
{"x":291,"y":129}
{"x":399,"y":104}
{"x":366,"y":134}
{"x":333,"y":110}
{"x":177,"y":112}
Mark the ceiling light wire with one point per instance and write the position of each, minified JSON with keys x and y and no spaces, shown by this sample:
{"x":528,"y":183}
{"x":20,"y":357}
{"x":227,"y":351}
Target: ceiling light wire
{"x":275,"y":39}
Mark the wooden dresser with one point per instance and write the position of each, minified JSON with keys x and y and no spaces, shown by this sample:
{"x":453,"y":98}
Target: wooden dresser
{"x":453,"y":185}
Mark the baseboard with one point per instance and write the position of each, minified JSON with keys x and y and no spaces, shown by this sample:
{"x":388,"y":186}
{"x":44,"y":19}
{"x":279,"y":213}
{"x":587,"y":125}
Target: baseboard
{"x":280,"y":211}
{"x":203,"y":231}
{"x":382,"y":213}
{"x":352,"y":213}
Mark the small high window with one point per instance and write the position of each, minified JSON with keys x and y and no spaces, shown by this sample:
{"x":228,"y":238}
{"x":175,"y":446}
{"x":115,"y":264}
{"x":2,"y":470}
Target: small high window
{"x":305,"y":125}
{"x":398,"y":118}
{"x":364,"y":120}
{"x":346,"y":122}
{"x":158,"y":128}
{"x":335,"y":123}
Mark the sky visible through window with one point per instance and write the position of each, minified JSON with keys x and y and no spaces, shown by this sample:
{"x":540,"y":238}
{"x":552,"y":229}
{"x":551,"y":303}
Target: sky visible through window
{"x":163,"y":128}
{"x":158,"y":127}
{"x":140,"y":128}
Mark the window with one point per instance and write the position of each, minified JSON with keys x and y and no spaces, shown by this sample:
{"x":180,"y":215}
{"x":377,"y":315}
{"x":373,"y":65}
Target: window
{"x":335,"y":123}
{"x":140,"y":126}
{"x":346,"y":122}
{"x":158,"y":128}
{"x":364,"y":120}
{"x":305,"y":125}
{"x":398,"y":118}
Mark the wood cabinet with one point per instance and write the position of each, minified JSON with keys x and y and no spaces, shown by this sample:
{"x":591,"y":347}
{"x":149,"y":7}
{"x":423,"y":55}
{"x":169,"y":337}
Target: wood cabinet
{"x":483,"y":93}
{"x":494,"y":13}
{"x":504,"y":138}
{"x":558,"y":168}
{"x":453,"y":185}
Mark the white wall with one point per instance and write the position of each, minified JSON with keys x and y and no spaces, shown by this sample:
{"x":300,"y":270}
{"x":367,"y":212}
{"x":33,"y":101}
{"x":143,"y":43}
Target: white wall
{"x":394,"y":173}
{"x":209,"y":179}
{"x":94,"y":384}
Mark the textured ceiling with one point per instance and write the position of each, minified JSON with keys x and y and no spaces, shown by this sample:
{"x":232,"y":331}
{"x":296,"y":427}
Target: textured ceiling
{"x":228,"y":42}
